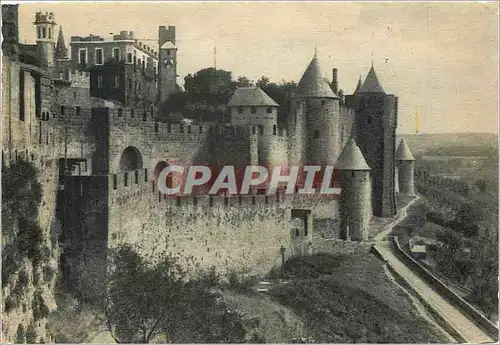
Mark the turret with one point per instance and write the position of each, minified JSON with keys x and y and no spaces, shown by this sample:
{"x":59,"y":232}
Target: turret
{"x":405,"y":163}
{"x":45,"y":24}
{"x":167,"y":62}
{"x":358,"y":86}
{"x":355,"y":198}
{"x":375,"y":133}
{"x":251,"y":106}
{"x":61,"y":52}
{"x":315,"y":111}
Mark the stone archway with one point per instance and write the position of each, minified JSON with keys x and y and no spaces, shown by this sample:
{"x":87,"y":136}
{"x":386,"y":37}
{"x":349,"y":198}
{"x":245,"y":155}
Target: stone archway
{"x":131,"y":159}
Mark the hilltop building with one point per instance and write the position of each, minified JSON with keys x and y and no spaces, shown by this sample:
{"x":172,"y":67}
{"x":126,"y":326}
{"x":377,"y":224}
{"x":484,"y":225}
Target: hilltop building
{"x":101,"y":152}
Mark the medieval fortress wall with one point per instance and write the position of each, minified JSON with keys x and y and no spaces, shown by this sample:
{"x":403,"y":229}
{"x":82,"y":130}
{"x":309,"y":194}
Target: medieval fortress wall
{"x":100,"y":161}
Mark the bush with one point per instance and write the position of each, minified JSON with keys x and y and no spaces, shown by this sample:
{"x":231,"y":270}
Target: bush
{"x":40,"y":310}
{"x":10,"y":304}
{"x":20,"y":334}
{"x":31,"y":334}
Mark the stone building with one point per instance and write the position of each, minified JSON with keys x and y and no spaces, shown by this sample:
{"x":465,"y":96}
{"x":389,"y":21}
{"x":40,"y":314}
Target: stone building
{"x":101,"y":152}
{"x":405,"y":169}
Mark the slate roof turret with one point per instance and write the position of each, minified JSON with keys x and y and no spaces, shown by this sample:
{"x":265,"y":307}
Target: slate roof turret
{"x":351,"y":158}
{"x":403,"y":153}
{"x":251,"y":96}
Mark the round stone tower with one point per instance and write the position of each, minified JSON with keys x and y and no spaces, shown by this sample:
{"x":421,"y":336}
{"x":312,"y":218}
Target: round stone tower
{"x":405,"y":163}
{"x":45,"y":24}
{"x":355,"y":198}
{"x":322,"y":116}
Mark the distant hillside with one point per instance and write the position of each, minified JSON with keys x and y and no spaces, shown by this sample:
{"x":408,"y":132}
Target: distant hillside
{"x":420,"y":143}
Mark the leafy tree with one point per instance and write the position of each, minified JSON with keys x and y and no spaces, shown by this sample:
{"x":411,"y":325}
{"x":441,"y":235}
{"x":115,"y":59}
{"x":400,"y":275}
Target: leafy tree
{"x":263,"y":82}
{"x":151,"y":297}
{"x":22,"y":237}
{"x":31,"y":334}
{"x":484,"y":260}
{"x":20,"y":334}
{"x":244,"y":82}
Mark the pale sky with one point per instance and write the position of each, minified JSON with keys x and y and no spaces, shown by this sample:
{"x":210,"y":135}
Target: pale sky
{"x":439,"y":57}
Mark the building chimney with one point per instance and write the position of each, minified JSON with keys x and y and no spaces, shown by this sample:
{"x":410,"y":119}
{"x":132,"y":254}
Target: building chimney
{"x":335,"y":85}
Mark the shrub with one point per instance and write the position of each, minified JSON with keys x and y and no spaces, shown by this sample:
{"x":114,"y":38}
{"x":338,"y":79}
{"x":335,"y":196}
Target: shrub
{"x":31,"y":334}
{"x":48,"y":273}
{"x":20,"y":334}
{"x":9,"y":304}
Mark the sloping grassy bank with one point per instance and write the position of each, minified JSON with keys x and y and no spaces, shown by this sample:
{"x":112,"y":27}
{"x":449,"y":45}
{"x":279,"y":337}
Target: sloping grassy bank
{"x":351,"y":299}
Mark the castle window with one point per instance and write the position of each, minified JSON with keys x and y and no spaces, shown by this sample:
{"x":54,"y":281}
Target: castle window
{"x":274,"y":129}
{"x":66,"y":74}
{"x":261,"y":129}
{"x":136,"y":176}
{"x":181,"y":129}
{"x":129,"y":57}
{"x":139,"y":62}
{"x":62,"y":110}
{"x":253,"y":129}
{"x":117,"y":82}
{"x":169,"y":128}
{"x":115,"y":181}
{"x":352,"y":173}
{"x":39,"y":32}
{"x":125,"y":179}
{"x":82,"y":56}
{"x":168,"y":52}
{"x":240,"y":110}
{"x":189,"y":129}
{"x":116,"y":54}
{"x":21,"y":95}
{"x":156,"y":127}
{"x":144,"y":114}
{"x":316,"y":134}
{"x":50,"y":33}
{"x":132,"y":113}
{"x":145,"y":175}
{"x":120,"y":112}
{"x":74,"y":95}
{"x":77,"y":111}
{"x":130,"y":85}
{"x":99,"y":81}
{"x":269,"y":110}
{"x":369,"y":120}
{"x":201,"y":129}
{"x":44,"y":32}
{"x":254,"y":110}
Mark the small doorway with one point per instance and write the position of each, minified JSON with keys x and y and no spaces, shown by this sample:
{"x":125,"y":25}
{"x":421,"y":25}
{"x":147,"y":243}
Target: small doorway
{"x":304,"y":215}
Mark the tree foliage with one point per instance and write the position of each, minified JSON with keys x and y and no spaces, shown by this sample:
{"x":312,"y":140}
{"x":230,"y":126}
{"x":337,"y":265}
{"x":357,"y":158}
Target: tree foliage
{"x":148,"y":298}
{"x":21,"y":233}
{"x":208,"y":91}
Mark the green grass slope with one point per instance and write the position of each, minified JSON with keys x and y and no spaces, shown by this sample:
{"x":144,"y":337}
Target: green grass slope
{"x":350,"y":299}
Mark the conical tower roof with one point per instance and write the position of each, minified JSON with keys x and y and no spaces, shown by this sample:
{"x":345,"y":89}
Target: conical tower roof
{"x":351,"y":158}
{"x":359,"y":85}
{"x":313,"y":82}
{"x":371,"y":84}
{"x":61,"y":51}
{"x":403,"y":153}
